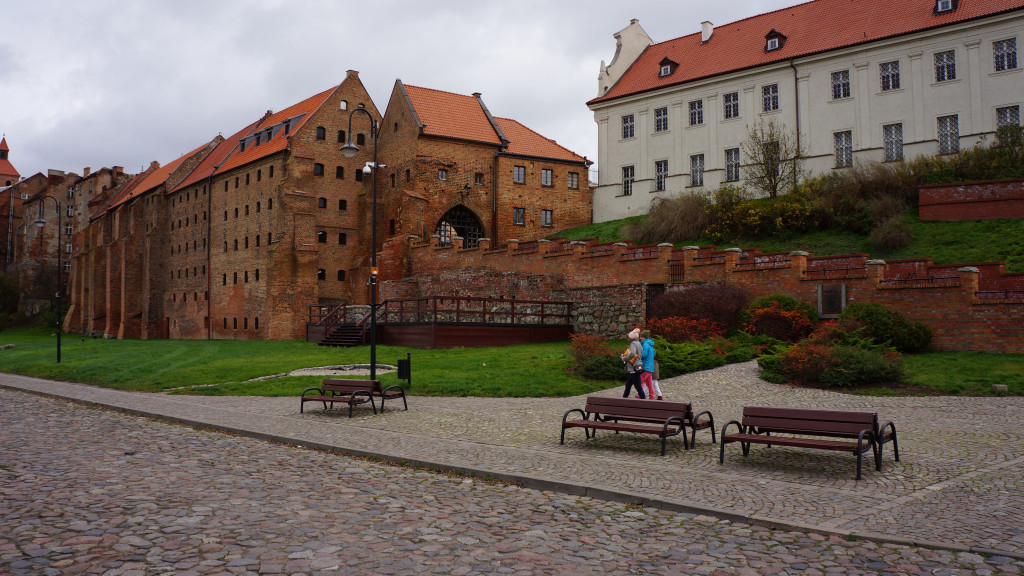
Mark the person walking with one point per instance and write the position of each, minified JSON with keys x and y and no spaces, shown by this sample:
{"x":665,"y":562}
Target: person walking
{"x":633,"y":357}
{"x":648,"y":357}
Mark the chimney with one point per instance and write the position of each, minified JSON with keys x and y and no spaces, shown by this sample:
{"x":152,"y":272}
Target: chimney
{"x":86,"y":171}
{"x":706,"y":30}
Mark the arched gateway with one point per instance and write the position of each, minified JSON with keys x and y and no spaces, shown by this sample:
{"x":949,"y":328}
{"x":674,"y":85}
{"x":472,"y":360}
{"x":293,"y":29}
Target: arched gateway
{"x":460,"y":221}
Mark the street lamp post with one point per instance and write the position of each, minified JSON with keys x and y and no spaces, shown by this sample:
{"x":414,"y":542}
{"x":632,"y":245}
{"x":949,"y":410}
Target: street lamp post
{"x":60,"y":271}
{"x":350,"y":150}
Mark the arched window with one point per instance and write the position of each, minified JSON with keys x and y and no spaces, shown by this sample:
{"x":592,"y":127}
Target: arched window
{"x":341,"y":275}
{"x":321,"y":133}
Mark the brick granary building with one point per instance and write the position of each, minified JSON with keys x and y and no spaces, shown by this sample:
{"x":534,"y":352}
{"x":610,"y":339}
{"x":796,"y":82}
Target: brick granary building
{"x":241,"y":237}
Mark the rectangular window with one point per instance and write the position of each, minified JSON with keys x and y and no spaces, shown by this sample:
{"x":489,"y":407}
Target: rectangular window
{"x":627,"y":180}
{"x":666,"y":69}
{"x":697,"y":170}
{"x":1008,"y":116}
{"x":770,"y":97}
{"x":732,"y":165}
{"x":889,"y":72}
{"x":318,"y":169}
{"x":519,"y":174}
{"x":696,"y":112}
{"x":945,"y":66}
{"x":546,"y":177}
{"x":661,"y":119}
{"x":731,"y":101}
{"x":478,"y":178}
{"x":1005,"y":54}
{"x":844,"y":148}
{"x":442,"y":174}
{"x":949,"y":134}
{"x":627,"y":126}
{"x":339,"y":172}
{"x":660,"y":174}
{"x":892,"y":138}
{"x":840,"y":85}
{"x":546,"y":218}
{"x":574,"y":180}
{"x":519,"y":216}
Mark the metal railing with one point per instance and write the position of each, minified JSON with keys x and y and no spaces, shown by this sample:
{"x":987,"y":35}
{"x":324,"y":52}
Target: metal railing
{"x":944,"y":280}
{"x":327,"y":315}
{"x":1000,"y":294}
{"x":466,"y":309}
{"x":526,"y":248}
{"x":639,"y":253}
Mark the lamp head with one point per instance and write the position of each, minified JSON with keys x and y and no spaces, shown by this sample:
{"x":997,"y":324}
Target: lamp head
{"x":39,"y":222}
{"x":349,"y":149}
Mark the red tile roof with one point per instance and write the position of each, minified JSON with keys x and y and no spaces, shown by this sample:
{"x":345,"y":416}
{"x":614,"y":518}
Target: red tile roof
{"x":118,"y":195}
{"x":526,"y":142}
{"x":451,"y":115}
{"x":279,"y":142}
{"x":6,"y":168}
{"x":213,"y":160}
{"x":813,"y":27}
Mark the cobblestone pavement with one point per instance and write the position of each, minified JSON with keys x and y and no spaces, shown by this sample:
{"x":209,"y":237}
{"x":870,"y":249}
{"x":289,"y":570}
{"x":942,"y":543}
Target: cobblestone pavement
{"x":90,"y":491}
{"x":959,"y":484}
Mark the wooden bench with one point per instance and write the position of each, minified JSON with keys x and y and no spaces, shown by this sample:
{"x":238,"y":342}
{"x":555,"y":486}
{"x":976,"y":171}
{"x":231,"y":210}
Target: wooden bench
{"x":638,"y":416}
{"x":760,"y":422}
{"x":353,"y":393}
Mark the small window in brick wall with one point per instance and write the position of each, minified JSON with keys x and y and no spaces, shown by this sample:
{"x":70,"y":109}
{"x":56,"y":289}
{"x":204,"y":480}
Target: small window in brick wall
{"x":359,"y":175}
{"x":342,"y":204}
{"x":321,"y":237}
{"x":339,"y":172}
{"x":342,"y":239}
{"x":318,"y":169}
{"x":341,"y":275}
{"x":321,"y":274}
{"x":321,"y":203}
{"x":360,"y":140}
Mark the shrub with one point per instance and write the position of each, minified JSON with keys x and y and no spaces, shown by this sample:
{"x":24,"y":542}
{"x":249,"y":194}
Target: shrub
{"x":10,"y":293}
{"x":719,"y":303}
{"x":680,"y":329}
{"x":603,"y":368}
{"x":779,"y":316}
{"x":672,"y":220}
{"x":683,"y":358}
{"x":890,"y":327}
{"x":890,"y":234}
{"x":832,"y":357}
{"x":584,"y":347}
{"x":853,"y":366}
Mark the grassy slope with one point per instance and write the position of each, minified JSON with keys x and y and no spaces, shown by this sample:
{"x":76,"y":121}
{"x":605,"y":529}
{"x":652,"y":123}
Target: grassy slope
{"x":945,"y":242}
{"x":159,"y":365}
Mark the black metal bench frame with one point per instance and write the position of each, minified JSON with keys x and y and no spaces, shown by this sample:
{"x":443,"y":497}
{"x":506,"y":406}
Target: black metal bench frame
{"x":759,"y":422}
{"x":352,"y":392}
{"x":603,"y":413}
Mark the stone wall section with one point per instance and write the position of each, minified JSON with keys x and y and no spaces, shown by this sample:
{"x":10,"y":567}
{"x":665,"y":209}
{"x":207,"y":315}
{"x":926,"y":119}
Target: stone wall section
{"x":991,"y":200}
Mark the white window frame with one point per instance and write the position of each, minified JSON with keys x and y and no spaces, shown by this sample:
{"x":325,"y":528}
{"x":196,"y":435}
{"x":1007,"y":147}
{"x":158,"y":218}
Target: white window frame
{"x":731,"y":105}
{"x":661,"y":119}
{"x":547,"y":217}
{"x":948,"y":131}
{"x":771,"y":44}
{"x":547,"y":177}
{"x":892,"y":142}
{"x":944,"y":6}
{"x":628,"y":176}
{"x":696,"y":112}
{"x":1004,"y":54}
{"x":573,"y":180}
{"x":666,"y":70}
{"x":1007,"y":116}
{"x":841,"y":85}
{"x":519,"y":216}
{"x":843,"y":148}
{"x":770,"y":97}
{"x":519,"y":174}
{"x":697,"y":170}
{"x":660,"y":175}
{"x":732,"y":164}
{"x":442,"y":175}
{"x":889,"y":75}
{"x":628,"y":127}
{"x":945,"y":65}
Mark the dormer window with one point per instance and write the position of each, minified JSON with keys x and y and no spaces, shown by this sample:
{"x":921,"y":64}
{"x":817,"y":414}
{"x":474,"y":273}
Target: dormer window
{"x":667,"y":67}
{"x":944,"y":6}
{"x":257,"y":141}
{"x":774,"y":40}
{"x":241,"y":145}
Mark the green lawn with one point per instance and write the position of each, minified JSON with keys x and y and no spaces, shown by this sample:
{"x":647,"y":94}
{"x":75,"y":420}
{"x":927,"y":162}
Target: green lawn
{"x":159,"y":365}
{"x":945,"y":242}
{"x":223,"y":367}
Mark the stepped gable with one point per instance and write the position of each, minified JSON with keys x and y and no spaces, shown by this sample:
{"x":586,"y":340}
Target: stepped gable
{"x":214,"y":160}
{"x":153,"y":180}
{"x":298,"y":114}
{"x":7,"y":171}
{"x":452,"y":115}
{"x":121,"y":193}
{"x":525,"y":142}
{"x":810,"y":28}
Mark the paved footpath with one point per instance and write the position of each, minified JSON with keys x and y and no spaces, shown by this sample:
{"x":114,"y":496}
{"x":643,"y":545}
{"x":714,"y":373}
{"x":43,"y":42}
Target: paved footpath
{"x":92,"y":491}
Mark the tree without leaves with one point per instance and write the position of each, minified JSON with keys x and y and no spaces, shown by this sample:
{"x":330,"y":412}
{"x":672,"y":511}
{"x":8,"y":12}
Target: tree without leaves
{"x":773,"y":160}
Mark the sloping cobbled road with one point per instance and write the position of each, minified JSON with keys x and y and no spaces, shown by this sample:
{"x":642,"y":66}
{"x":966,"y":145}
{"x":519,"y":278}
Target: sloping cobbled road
{"x":958,"y":485}
{"x":89,"y":491}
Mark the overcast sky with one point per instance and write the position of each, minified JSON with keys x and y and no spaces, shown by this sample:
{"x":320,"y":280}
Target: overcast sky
{"x":124,"y":82}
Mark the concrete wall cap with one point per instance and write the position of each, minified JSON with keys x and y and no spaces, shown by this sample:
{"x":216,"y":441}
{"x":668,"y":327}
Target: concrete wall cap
{"x":620,"y":244}
{"x":733,"y":250}
{"x":435,"y":235}
{"x":691,"y":247}
{"x":512,"y":240}
{"x":543,"y":240}
{"x":969,"y":269}
{"x":664,"y":244}
{"x":799,"y":253}
{"x":485,"y":240}
{"x":875,"y":262}
{"x":578,"y":243}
